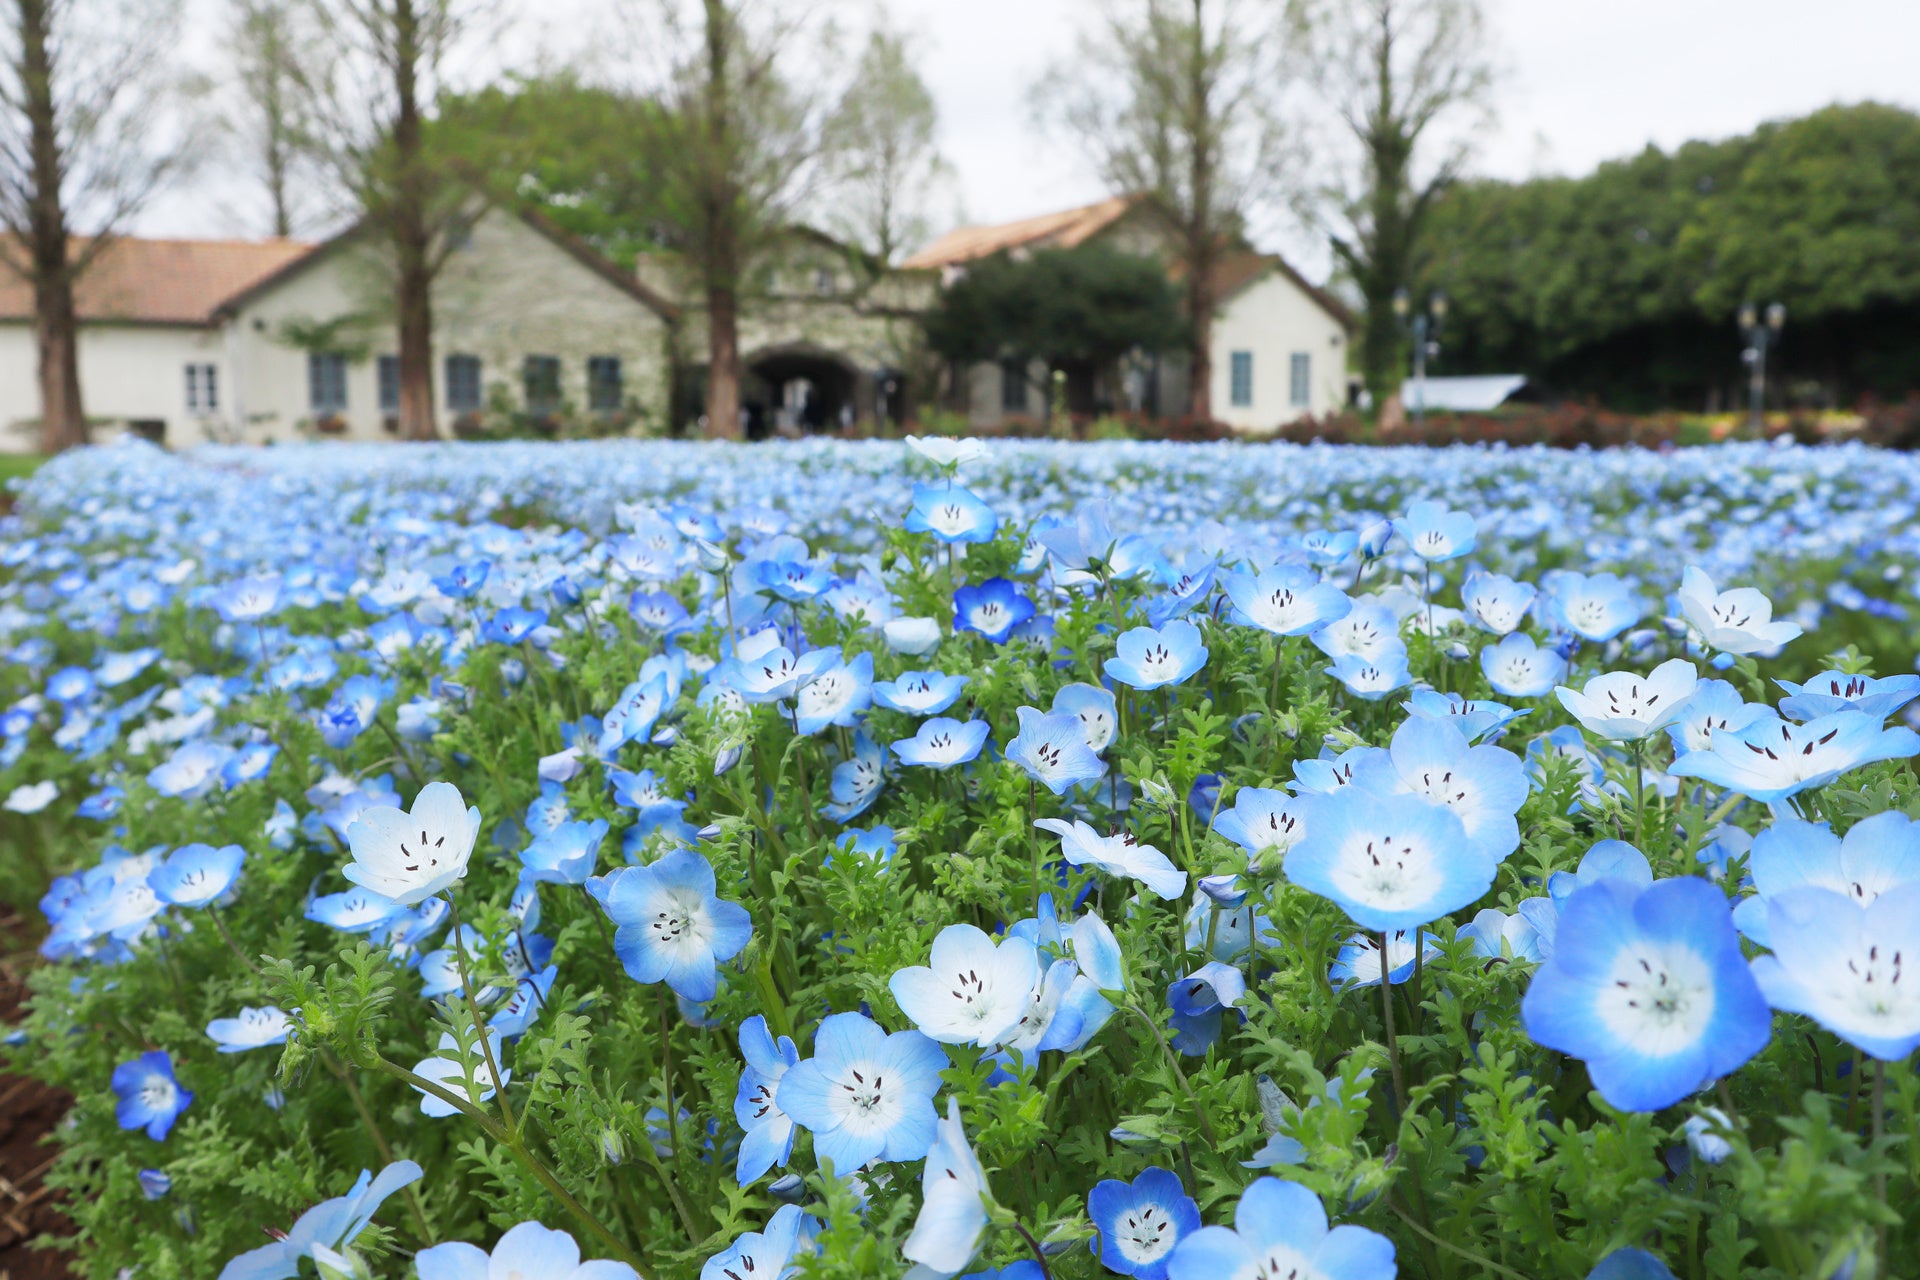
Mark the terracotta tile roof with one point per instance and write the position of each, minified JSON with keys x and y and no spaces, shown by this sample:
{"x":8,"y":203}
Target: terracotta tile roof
{"x":161,"y":281}
{"x":1061,"y":230}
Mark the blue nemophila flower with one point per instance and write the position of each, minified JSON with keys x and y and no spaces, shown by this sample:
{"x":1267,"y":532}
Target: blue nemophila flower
{"x":972,"y":990}
{"x":529,"y":997}
{"x":778,"y":674}
{"x":1843,"y":965}
{"x":1119,"y":854}
{"x":1772,"y":759}
{"x":102,"y":805}
{"x":1053,"y":750}
{"x":1094,"y":707}
{"x":919,"y":693}
{"x":355,"y":911}
{"x":1146,"y":658}
{"x":549,"y":809}
{"x":954,"y":1201}
{"x":1496,"y":603}
{"x":1328,"y":547}
{"x":1358,"y":962}
{"x":1737,"y":621}
{"x":528,"y":1250}
{"x":1606,"y":860}
{"x":1281,"y":1227}
{"x":875,"y":845}
{"x":992,"y":609}
{"x":1624,"y":706}
{"x":769,"y":1131}
{"x":1390,"y":861}
{"x":71,"y":686}
{"x":149,"y":1096}
{"x":568,"y":854}
{"x":1496,"y":935}
{"x":1715,"y":705}
{"x":1516,"y":667}
{"x":462,"y":580}
{"x":911,"y":636}
{"x":1483,"y":786}
{"x":332,"y":1224}
{"x":673,"y":928}
{"x":1373,"y":678}
{"x":249,"y":762}
{"x":857,"y":781}
{"x":460,"y":1073}
{"x":1369,"y":630}
{"x":155,"y":1184}
{"x":511,"y":626}
{"x":1286,"y":600}
{"x":247,"y":599}
{"x":1140,"y":1222}
{"x":865,"y":1095}
{"x":196,"y":874}
{"x":1878,"y":854}
{"x":1832,"y":691}
{"x":773,"y":1254}
{"x":1478,"y":718}
{"x":408,"y":856}
{"x":633,"y":714}
{"x":191,"y":770}
{"x":1199,"y":1001}
{"x":1435,"y":532}
{"x":941,"y":743}
{"x":1594,"y":607}
{"x":951,"y":514}
{"x":1636,"y":1264}
{"x":1264,"y":822}
{"x":1649,"y":988}
{"x":838,"y":694}
{"x":249,"y":1029}
{"x":659,"y":612}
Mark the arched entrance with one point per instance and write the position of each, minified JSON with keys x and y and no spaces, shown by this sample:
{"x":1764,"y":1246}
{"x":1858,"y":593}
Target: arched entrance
{"x":800,"y":389}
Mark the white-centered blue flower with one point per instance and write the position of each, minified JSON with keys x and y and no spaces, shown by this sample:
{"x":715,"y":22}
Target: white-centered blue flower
{"x":1149,"y":658}
{"x":1496,"y":603}
{"x":1714,"y":706}
{"x":1483,"y":786}
{"x":672,"y":925}
{"x":1436,"y":533}
{"x":1649,"y":988}
{"x":1095,"y":709}
{"x":1264,"y":822}
{"x":149,"y":1096}
{"x":1832,"y":691}
{"x":864,"y":1095}
{"x":1389,"y":861}
{"x":768,"y":1129}
{"x":332,"y":1223}
{"x":1877,"y":854}
{"x":1119,"y":854}
{"x":249,"y":1029}
{"x":1280,"y":1228}
{"x":460,"y":1074}
{"x":195,"y":875}
{"x":941,"y":743}
{"x":1516,"y":667}
{"x":1595,"y":607}
{"x":919,"y":693}
{"x":773,"y":1254}
{"x":1286,"y":600}
{"x":954,"y":1202}
{"x":1844,"y":965}
{"x":1771,"y":759}
{"x":1739,"y":621}
{"x":1053,"y":750}
{"x":1140,"y":1222}
{"x":951,"y":514}
{"x":1625,"y":706}
{"x":408,"y":856}
{"x":528,"y":1251}
{"x":972,"y":990}
{"x":1373,"y":678}
{"x":839,"y":694}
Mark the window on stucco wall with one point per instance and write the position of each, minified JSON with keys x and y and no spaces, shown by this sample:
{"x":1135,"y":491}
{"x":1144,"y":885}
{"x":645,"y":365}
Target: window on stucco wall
{"x":1242,"y":378}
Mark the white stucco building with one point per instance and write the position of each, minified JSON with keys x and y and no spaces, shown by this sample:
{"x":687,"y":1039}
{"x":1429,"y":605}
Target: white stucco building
{"x":188,"y":341}
{"x":1279,"y":343}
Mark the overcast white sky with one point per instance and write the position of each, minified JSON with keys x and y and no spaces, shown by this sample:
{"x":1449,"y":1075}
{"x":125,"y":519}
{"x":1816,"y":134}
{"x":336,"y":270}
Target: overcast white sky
{"x":1584,"y":81}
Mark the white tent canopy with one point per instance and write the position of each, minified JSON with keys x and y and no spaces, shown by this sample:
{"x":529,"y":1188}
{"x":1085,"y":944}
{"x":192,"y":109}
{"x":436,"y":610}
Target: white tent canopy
{"x":1475,"y":394}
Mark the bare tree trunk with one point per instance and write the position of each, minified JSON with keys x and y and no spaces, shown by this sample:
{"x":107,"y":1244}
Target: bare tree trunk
{"x":63,"y":422}
{"x":723,"y":362}
{"x":1203,"y":231}
{"x":412,"y":237}
{"x":1200,"y":314}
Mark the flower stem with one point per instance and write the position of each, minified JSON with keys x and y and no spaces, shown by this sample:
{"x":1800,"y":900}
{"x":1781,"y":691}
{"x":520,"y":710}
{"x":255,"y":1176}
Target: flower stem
{"x":232,"y":946}
{"x":1393,"y":1040}
{"x":1186,"y":1086}
{"x":479,"y":1028}
{"x":1034,"y":1245}
{"x":1880,"y":1178}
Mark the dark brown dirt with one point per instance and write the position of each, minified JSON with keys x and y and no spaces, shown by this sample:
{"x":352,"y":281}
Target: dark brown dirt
{"x":28,"y":1112}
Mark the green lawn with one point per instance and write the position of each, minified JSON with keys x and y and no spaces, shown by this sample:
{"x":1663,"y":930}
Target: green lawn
{"x":18,"y":464}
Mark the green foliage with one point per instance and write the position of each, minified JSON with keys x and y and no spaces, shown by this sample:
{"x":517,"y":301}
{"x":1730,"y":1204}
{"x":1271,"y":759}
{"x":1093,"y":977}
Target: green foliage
{"x":1625,"y":282}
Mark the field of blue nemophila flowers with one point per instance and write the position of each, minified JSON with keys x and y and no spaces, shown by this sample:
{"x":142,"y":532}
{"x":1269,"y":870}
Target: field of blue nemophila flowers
{"x":1030,"y":860}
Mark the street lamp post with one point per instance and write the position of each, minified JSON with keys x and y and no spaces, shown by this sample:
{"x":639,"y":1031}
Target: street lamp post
{"x":1426,"y":343}
{"x":1760,"y":336}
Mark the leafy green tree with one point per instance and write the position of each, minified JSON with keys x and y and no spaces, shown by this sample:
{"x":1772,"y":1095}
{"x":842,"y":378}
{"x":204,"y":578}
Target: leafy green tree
{"x":883,"y":155}
{"x":1076,"y":311}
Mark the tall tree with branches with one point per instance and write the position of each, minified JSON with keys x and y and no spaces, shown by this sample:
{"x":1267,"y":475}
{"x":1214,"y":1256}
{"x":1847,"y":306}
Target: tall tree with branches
{"x":84,"y":87}
{"x":1395,"y":74}
{"x":273,"y":49}
{"x":884,"y":156}
{"x":737,"y":150}
{"x":370,"y":120}
{"x":1176,"y":101}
